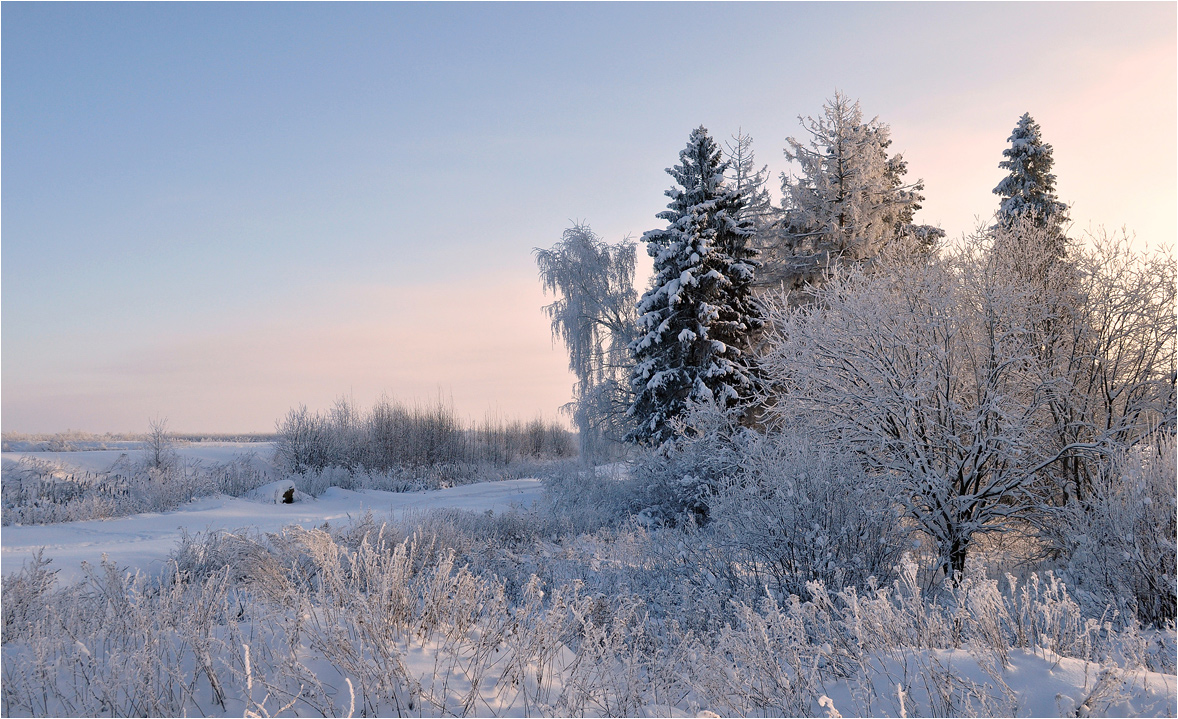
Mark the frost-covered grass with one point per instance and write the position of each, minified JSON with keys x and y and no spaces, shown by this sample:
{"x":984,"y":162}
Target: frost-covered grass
{"x":476,"y":614}
{"x":44,"y":491}
{"x":785,"y":596}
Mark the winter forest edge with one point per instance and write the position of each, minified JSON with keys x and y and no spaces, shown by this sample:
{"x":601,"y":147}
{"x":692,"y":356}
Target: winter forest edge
{"x":830,"y":462}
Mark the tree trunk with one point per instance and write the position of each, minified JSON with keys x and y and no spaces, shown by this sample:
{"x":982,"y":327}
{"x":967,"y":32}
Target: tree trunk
{"x":957,"y":553}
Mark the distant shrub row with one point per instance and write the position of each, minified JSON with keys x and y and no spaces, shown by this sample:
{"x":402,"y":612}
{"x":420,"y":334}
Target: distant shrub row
{"x":393,"y":436}
{"x":77,"y":441}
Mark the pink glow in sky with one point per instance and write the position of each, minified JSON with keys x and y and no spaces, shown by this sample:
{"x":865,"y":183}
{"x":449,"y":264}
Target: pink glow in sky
{"x":216,"y":212}
{"x":482,"y":345}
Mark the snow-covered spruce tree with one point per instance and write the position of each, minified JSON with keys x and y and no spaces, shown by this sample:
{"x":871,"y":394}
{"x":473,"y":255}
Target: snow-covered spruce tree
{"x":848,"y":200}
{"x":695,"y":321}
{"x":1028,"y":192}
{"x":594,"y":315}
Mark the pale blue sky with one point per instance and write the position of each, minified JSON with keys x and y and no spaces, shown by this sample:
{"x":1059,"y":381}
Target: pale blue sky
{"x":214,"y":212}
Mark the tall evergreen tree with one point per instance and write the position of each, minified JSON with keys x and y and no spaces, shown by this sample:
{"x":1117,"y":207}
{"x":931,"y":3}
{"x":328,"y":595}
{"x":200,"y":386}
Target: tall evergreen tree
{"x":695,"y":321}
{"x":1028,"y":192}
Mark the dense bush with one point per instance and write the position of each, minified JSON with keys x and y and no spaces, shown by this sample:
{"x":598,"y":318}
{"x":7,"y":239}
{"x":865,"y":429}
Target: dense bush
{"x":1119,"y":544}
{"x":785,"y":509}
{"x":678,"y":480}
{"x":582,"y":500}
{"x":801,"y":513}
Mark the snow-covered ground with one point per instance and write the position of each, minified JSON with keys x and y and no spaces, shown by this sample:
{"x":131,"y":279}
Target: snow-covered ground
{"x":143,"y":541}
{"x":1034,"y":683}
{"x":469,"y":673}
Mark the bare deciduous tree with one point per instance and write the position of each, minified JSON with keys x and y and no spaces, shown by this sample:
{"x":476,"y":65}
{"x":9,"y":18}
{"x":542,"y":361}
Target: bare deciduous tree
{"x":159,"y":452}
{"x":1107,"y":349}
{"x":938,"y":374}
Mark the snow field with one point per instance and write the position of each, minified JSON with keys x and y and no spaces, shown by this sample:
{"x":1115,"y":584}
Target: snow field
{"x":144,"y":541}
{"x":509,"y":599}
{"x":104,"y":460}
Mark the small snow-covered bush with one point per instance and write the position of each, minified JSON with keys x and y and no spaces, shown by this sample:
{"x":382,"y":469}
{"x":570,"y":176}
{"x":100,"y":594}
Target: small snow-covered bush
{"x":577,"y":500}
{"x":1120,"y":543}
{"x":240,"y":475}
{"x":678,"y":480}
{"x":785,"y":509}
{"x":799,"y":512}
{"x":25,"y":593}
{"x":41,"y":492}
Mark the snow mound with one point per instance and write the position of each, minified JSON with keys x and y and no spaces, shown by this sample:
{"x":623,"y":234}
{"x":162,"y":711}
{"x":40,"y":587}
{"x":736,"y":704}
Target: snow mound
{"x":280,"y":492}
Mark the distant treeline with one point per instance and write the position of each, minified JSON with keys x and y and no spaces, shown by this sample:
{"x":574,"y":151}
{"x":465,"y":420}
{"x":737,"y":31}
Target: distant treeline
{"x":393,"y":436}
{"x":76,"y":441}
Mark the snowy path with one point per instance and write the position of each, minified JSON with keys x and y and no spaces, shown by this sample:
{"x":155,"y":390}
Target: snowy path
{"x":143,"y":541}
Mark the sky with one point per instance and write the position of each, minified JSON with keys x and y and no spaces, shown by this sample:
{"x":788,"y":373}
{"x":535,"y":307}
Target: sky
{"x":216,"y":212}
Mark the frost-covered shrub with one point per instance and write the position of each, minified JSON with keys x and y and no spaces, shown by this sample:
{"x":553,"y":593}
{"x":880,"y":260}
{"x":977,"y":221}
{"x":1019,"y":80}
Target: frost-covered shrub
{"x":410,"y":479}
{"x":240,"y":475}
{"x":799,"y":512}
{"x":41,"y":492}
{"x":25,"y":593}
{"x":786,"y":509}
{"x":164,"y":488}
{"x":317,"y":481}
{"x":578,"y":500}
{"x":304,"y":441}
{"x":1119,"y":544}
{"x":677,"y":481}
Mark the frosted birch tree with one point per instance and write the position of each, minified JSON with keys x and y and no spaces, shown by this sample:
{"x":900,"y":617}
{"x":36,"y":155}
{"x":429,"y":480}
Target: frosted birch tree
{"x":594,"y":316}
